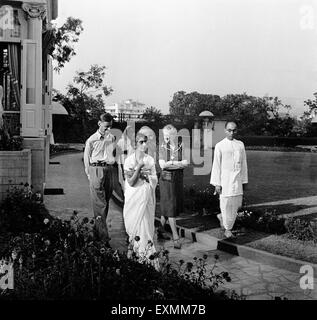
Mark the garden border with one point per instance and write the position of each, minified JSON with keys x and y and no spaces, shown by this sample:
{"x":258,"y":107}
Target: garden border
{"x":278,"y":261}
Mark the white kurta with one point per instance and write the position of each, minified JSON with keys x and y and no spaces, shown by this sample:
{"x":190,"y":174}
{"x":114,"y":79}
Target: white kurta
{"x":139,"y":209}
{"x":230,"y":171}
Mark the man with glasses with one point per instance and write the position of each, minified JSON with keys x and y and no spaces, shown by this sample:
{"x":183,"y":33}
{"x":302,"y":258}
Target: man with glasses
{"x":99,"y":160}
{"x":229,"y":175}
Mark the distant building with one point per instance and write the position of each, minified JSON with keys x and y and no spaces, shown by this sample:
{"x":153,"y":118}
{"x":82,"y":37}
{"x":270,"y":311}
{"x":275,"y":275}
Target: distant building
{"x":127,"y":110}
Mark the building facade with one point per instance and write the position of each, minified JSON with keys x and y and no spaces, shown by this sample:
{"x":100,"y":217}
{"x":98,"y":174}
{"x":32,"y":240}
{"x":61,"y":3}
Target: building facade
{"x":127,"y":110}
{"x":26,"y":70}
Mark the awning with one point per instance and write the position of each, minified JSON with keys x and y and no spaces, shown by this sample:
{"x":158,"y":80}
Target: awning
{"x":58,"y":108}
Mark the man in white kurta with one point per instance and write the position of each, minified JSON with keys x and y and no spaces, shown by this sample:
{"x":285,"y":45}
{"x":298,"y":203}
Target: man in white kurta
{"x":229,"y":175}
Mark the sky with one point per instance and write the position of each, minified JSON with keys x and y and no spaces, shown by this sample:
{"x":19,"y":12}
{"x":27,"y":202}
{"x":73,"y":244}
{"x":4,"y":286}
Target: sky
{"x":154,"y":48}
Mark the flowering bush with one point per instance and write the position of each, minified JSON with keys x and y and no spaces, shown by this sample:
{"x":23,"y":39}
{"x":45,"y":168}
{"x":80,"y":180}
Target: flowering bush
{"x":266,"y":221}
{"x":64,"y":261}
{"x":22,"y":210}
{"x":300,"y":229}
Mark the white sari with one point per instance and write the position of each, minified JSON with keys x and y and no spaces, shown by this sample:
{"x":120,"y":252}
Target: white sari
{"x":139,"y":209}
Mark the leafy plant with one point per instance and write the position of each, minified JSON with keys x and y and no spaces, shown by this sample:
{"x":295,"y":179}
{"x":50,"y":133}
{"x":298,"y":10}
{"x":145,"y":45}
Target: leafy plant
{"x":199,"y":200}
{"x":64,"y":261}
{"x":300,"y":229}
{"x":22,"y":210}
{"x":267,"y":221}
{"x":8,"y":143}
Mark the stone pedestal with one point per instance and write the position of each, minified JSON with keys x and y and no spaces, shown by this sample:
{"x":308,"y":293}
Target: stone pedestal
{"x":40,"y":160}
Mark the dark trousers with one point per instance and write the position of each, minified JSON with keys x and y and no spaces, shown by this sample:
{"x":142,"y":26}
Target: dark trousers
{"x":101,"y":187}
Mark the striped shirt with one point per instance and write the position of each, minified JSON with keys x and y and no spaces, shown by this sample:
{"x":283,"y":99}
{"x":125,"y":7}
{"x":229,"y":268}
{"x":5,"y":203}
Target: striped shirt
{"x":99,"y":148}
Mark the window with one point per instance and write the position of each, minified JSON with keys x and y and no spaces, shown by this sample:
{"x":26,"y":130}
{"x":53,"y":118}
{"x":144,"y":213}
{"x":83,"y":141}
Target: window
{"x":10,"y":86}
{"x":30,"y":73}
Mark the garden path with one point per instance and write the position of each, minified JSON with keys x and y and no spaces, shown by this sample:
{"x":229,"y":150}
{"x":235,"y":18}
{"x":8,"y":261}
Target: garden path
{"x":255,"y":280}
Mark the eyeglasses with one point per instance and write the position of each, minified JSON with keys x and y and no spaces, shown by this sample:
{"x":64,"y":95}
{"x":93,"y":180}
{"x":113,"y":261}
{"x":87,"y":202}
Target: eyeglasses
{"x":104,"y":125}
{"x":230,"y":130}
{"x":142,"y":141}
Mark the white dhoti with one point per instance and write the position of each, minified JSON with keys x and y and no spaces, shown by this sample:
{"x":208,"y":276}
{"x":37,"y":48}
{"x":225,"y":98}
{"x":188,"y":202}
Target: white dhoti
{"x":229,"y":207}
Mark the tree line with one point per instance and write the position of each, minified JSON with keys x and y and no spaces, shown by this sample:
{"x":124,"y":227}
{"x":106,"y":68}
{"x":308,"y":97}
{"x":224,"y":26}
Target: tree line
{"x":85,"y":100}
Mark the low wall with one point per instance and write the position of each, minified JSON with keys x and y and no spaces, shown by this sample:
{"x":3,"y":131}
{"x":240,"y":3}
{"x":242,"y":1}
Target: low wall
{"x":15,"y":168}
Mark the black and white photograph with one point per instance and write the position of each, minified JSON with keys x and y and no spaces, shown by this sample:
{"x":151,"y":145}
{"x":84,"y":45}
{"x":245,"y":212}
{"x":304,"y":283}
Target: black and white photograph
{"x":158,"y":157}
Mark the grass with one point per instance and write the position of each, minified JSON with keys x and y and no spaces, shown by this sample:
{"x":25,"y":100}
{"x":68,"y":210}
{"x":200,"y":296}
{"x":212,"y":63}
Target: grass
{"x":276,"y":244}
{"x":273,"y":176}
{"x":281,"y":245}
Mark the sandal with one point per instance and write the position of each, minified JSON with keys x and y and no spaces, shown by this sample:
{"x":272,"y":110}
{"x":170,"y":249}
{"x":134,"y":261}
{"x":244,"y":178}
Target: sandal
{"x":177,"y":244}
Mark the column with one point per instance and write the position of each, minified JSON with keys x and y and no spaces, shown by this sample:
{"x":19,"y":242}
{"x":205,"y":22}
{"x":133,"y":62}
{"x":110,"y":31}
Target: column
{"x":31,"y":107}
{"x":33,"y":66}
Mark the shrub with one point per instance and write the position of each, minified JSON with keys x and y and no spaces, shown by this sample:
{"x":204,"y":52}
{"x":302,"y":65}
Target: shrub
{"x":196,"y":200}
{"x":63,"y":261}
{"x":300,"y":229}
{"x":288,"y":142}
{"x":267,"y":221}
{"x":7,"y":143}
{"x":22,"y":210}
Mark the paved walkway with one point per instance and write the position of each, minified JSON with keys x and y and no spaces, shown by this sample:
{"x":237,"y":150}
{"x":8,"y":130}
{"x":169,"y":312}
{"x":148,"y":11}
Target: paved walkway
{"x":253,"y":279}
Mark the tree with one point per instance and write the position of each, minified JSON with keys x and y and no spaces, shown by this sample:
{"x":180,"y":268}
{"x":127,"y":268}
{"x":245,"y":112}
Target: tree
{"x":153,"y":114}
{"x":84,"y":98}
{"x":312,"y":104}
{"x":65,"y":38}
{"x":255,"y":115}
{"x":193,"y":103}
{"x":304,"y":126}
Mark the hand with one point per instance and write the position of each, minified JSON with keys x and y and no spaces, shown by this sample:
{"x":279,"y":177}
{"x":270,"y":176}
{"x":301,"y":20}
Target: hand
{"x":88,"y":176}
{"x":129,"y":173}
{"x":141,"y":163}
{"x":144,"y":176}
{"x":218,"y":189}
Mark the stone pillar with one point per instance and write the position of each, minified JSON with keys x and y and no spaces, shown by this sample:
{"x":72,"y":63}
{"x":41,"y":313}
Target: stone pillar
{"x":35,"y":139}
{"x":35,"y":14}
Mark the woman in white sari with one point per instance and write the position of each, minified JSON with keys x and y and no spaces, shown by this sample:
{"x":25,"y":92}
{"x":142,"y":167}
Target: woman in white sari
{"x":139,"y":205}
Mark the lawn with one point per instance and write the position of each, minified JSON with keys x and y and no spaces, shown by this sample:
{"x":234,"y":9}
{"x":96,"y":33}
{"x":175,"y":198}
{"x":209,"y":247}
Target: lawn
{"x":276,"y":244}
{"x":273,"y":176}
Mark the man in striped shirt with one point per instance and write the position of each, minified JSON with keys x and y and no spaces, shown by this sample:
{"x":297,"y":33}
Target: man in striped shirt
{"x":99,"y":160}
